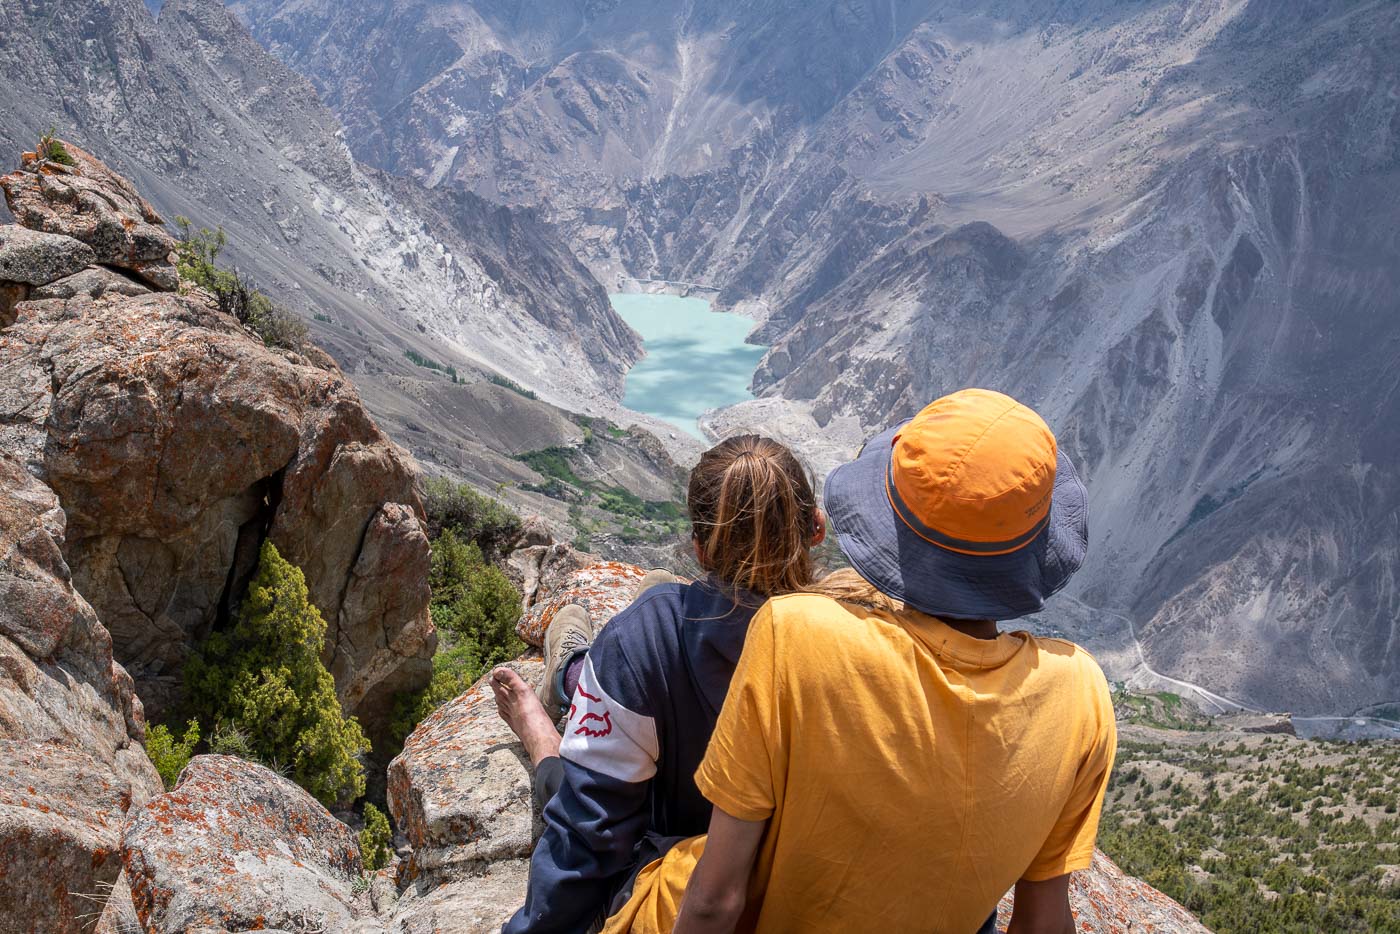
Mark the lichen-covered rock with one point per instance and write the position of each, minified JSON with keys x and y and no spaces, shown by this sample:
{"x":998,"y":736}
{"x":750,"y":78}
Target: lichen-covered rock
{"x":118,"y":912}
{"x":537,"y":570}
{"x":94,"y":282}
{"x":478,"y":902}
{"x":177,"y":443}
{"x":71,"y":763}
{"x":460,"y":790}
{"x":1107,"y":901}
{"x":60,"y":832}
{"x":602,"y":589}
{"x":33,"y":257}
{"x":91,"y":203}
{"x":237,"y":846}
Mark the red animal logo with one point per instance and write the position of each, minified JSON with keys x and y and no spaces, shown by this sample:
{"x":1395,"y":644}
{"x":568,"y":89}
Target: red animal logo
{"x":583,"y":728}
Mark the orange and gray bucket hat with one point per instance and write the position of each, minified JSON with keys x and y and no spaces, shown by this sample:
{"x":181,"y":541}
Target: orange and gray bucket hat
{"x":968,"y":510}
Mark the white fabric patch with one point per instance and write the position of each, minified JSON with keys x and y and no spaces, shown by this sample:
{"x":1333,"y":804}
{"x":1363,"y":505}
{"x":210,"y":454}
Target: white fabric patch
{"x":605,"y":736}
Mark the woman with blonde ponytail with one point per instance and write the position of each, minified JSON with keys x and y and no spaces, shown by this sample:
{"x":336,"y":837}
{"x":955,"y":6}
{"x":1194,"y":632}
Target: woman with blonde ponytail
{"x":619,"y":789}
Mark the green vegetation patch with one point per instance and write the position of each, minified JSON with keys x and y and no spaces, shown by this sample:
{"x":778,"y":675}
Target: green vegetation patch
{"x":196,"y":255}
{"x":1260,"y":833}
{"x":263,"y":683}
{"x":51,"y":149}
{"x":474,"y":605}
{"x":1163,"y":710}
{"x":662,"y":519}
{"x":552,"y":462}
{"x":511,"y":384}
{"x":429,"y":364}
{"x":170,"y":754}
{"x":375,"y":839}
{"x":489,"y":524}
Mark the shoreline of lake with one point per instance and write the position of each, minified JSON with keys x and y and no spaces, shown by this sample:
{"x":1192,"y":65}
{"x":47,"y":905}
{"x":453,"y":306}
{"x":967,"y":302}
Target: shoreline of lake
{"x":697,"y":358}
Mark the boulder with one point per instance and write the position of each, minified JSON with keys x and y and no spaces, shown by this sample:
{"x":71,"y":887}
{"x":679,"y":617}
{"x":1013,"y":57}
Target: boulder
{"x":478,"y":902}
{"x":91,"y":203}
{"x":535,"y":530}
{"x":94,"y":282}
{"x":71,"y":762}
{"x":1105,"y":900}
{"x":177,"y":443}
{"x":537,"y":570}
{"x":460,"y":791}
{"x":236,"y":846}
{"x":602,"y":589}
{"x":32,"y":257}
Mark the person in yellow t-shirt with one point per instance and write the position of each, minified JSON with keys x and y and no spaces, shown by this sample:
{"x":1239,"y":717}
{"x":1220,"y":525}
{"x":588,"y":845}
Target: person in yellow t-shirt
{"x":886,"y":759}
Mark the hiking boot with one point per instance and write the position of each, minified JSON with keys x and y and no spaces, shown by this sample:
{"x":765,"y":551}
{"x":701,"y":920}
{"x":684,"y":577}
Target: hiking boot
{"x":569,"y":633}
{"x":654,"y":577}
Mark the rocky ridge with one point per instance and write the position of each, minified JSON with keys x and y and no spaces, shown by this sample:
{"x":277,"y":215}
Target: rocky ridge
{"x":71,"y":727}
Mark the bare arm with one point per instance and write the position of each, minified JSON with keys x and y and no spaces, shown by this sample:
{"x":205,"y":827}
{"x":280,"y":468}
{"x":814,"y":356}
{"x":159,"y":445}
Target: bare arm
{"x":1042,"y":907}
{"x":718,"y":889}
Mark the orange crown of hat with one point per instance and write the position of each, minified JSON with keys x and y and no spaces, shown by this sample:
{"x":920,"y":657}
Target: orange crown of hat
{"x":973,"y":473}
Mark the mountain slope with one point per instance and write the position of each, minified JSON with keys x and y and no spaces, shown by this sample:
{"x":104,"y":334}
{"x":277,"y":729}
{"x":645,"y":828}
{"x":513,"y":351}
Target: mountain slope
{"x":213,"y":128}
{"x":1168,"y":225}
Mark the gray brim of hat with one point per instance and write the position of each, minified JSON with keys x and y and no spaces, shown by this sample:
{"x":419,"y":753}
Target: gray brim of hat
{"x":890,"y":555}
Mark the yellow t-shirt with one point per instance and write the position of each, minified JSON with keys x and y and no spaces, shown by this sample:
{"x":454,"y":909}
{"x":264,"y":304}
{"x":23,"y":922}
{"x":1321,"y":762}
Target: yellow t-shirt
{"x":911,"y":773}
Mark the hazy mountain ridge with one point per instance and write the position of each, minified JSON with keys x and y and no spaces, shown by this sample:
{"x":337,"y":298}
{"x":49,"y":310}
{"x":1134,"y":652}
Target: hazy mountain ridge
{"x":214,"y":128}
{"x":1168,"y":225}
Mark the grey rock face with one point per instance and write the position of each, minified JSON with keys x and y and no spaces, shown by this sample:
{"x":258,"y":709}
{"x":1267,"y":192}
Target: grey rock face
{"x":89,"y":202}
{"x":177,"y":443}
{"x":236,"y":846}
{"x":93,"y":282}
{"x":32,"y":257}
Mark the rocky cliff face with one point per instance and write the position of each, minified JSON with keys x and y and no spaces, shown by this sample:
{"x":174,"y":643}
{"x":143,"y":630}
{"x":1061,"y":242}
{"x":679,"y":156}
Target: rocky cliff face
{"x":176,"y":443}
{"x":1165,"y":225}
{"x":71,"y":727}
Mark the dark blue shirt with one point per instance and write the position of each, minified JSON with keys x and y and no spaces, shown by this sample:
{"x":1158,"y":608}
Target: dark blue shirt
{"x":646,"y":704}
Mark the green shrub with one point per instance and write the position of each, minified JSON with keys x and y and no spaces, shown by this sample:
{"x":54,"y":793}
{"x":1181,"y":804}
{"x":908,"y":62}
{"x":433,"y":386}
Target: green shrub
{"x":475,"y":608}
{"x":171,"y":755}
{"x":264,"y":679}
{"x":196,"y":255}
{"x":472,"y":516}
{"x":474,"y":600}
{"x":51,"y":149}
{"x":375,"y":839}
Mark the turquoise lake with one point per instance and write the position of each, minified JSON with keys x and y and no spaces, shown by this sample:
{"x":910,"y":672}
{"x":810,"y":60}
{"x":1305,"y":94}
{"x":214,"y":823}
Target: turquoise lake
{"x":696,"y":358}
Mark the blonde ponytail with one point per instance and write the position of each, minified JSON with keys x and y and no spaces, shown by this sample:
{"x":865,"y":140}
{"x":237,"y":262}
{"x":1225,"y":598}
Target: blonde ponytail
{"x":753,"y":514}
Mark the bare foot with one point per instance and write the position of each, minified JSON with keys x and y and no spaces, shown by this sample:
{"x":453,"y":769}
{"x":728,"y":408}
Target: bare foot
{"x":522,"y":711}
